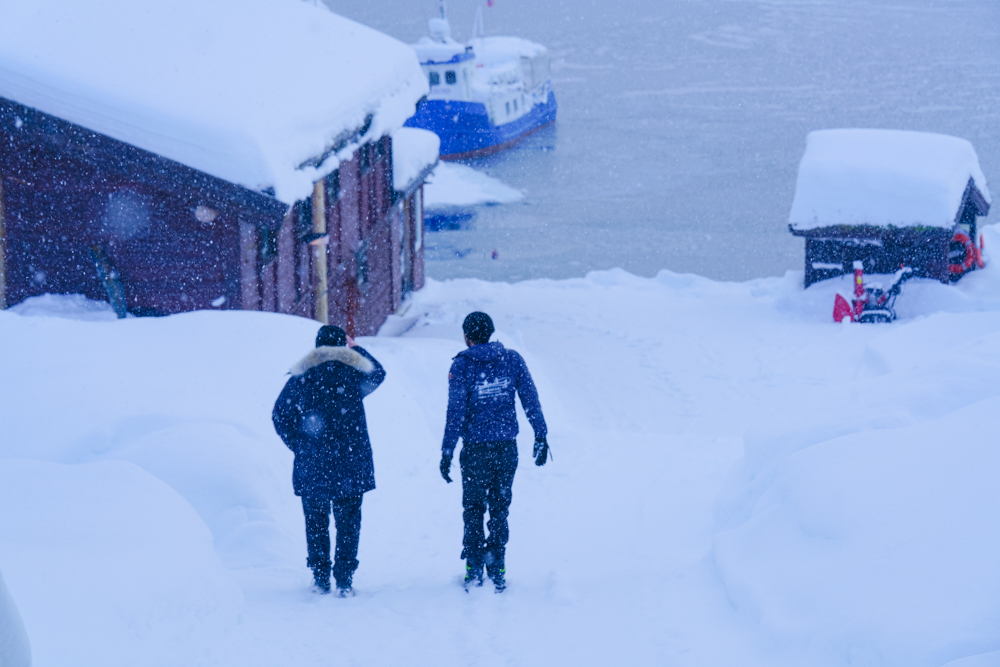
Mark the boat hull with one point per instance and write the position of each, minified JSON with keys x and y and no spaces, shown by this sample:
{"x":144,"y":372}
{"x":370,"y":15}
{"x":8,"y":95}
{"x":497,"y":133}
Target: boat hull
{"x":465,"y":129}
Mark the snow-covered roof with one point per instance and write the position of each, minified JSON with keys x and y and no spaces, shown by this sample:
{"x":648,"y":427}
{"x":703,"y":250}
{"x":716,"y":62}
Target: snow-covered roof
{"x":883,"y":178}
{"x":245,"y":90}
{"x":432,"y":52}
{"x":498,"y":49}
{"x":413,"y":151}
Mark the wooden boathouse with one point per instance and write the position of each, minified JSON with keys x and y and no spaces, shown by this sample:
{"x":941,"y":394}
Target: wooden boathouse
{"x":167,"y":211}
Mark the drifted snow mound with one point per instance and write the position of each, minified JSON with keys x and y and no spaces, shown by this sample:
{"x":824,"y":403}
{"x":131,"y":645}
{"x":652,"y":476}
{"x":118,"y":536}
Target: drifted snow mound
{"x":181,"y":397}
{"x":457,"y":185}
{"x":66,"y":306}
{"x":15,"y":649}
{"x":104,"y":555}
{"x":883,"y":543}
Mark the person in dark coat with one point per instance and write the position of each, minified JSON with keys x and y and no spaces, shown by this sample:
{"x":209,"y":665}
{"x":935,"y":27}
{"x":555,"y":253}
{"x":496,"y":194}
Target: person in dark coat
{"x":481,"y":388}
{"x":321,"y":418}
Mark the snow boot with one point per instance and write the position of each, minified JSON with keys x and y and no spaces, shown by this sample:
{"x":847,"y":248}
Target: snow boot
{"x":321,"y":581}
{"x":495,"y":571}
{"x":473,"y":574}
{"x":344,"y":589}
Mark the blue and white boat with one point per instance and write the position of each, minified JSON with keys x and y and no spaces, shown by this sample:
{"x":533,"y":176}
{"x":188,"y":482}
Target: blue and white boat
{"x":485,"y":95}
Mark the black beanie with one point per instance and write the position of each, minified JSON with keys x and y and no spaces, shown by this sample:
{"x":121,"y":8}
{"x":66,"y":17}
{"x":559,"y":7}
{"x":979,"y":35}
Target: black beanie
{"x":331,"y":336}
{"x":478,"y":327}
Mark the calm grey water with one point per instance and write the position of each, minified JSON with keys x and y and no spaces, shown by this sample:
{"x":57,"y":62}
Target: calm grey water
{"x":681,"y":124}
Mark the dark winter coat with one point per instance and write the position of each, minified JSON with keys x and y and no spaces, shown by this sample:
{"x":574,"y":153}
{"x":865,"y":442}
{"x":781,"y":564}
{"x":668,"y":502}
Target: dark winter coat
{"x":481,"y":388}
{"x":321,"y":418}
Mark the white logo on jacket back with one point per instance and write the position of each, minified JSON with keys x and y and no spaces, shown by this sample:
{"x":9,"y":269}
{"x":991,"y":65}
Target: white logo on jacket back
{"x":496,"y":389}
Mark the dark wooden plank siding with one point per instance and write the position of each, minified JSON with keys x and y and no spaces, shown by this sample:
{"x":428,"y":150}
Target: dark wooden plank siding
{"x":181,"y":240}
{"x":165,"y":257}
{"x":171,"y":233}
{"x":286,"y":266}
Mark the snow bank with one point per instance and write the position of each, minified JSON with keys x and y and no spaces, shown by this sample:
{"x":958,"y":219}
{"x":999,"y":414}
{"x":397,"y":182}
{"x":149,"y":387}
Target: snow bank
{"x":69,"y":306}
{"x":883,"y":177}
{"x":244,"y":90}
{"x":453,"y":184}
{"x":413,"y":150}
{"x":15,"y":649}
{"x":879,"y":545}
{"x":106,"y":561}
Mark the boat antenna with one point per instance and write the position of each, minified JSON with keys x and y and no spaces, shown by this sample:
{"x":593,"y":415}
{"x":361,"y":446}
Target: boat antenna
{"x":443,"y":12}
{"x":477,"y":23}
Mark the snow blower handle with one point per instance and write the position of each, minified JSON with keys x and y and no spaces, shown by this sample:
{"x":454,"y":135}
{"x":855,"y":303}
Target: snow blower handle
{"x":859,"y":289}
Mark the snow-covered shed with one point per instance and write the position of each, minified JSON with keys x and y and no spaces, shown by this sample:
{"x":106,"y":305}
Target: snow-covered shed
{"x":886,"y":198}
{"x":174,"y":155}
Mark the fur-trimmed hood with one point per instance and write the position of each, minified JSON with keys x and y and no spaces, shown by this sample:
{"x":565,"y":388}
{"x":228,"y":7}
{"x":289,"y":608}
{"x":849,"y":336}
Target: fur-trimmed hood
{"x":344,"y":355}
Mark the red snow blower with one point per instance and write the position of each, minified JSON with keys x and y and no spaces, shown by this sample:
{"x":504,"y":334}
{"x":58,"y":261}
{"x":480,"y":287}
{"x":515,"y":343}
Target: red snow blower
{"x":870,"y":303}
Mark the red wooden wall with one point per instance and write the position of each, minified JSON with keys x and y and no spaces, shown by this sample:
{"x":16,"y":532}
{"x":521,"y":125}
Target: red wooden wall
{"x":373,"y":249}
{"x":181,"y":240}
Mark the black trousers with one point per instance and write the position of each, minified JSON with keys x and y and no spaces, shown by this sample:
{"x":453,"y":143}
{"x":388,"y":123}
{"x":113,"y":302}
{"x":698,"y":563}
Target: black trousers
{"x":487,"y":477}
{"x":347,"y":517}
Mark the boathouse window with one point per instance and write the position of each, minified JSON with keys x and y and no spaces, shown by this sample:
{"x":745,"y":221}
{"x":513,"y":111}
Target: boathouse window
{"x":450,"y":78}
{"x":435,"y":78}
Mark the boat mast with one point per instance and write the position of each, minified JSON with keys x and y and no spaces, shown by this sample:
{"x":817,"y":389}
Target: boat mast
{"x":443,"y":13}
{"x":477,"y":23}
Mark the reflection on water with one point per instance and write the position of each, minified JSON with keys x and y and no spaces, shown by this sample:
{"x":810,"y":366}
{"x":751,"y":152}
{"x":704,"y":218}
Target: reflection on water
{"x":449,"y":219}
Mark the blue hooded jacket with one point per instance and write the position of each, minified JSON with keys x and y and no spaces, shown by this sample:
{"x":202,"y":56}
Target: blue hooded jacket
{"x":321,"y":418}
{"x":481,"y":388}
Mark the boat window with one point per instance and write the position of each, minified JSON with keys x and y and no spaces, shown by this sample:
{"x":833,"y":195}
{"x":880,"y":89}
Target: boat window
{"x":508,"y":108}
{"x":435,"y":78}
{"x":515,"y":106}
{"x":449,"y":77}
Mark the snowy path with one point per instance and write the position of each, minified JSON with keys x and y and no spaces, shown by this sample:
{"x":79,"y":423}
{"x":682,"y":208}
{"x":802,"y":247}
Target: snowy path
{"x":736,"y":481}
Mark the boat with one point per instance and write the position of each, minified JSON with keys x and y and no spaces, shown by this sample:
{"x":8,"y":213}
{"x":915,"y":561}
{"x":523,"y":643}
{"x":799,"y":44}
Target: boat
{"x":484,"y":96}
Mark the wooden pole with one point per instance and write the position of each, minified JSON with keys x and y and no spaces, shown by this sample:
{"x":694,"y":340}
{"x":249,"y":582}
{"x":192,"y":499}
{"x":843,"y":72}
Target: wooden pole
{"x":319,"y":254}
{"x":3,"y":252}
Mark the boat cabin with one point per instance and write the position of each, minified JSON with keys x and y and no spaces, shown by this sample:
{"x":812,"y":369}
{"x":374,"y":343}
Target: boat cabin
{"x":509,"y":76}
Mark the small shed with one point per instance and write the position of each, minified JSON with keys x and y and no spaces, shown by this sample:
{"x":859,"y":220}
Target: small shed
{"x":889,"y":198}
{"x":190,"y":154}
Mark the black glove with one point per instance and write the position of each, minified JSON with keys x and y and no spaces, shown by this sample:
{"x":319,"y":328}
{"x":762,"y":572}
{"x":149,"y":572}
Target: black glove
{"x":541,"y":452}
{"x":446,"y":467}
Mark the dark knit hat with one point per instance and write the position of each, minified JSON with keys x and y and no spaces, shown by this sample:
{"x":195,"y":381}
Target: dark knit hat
{"x":331,"y":336}
{"x":478,"y":327}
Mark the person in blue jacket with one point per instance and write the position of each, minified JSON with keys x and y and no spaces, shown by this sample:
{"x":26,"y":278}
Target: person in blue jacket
{"x":321,"y":418}
{"x":481,"y":387}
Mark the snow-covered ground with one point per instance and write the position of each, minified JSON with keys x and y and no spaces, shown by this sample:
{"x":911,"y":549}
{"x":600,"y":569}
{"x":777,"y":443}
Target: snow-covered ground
{"x":736,"y":481}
